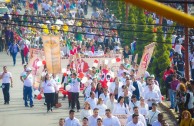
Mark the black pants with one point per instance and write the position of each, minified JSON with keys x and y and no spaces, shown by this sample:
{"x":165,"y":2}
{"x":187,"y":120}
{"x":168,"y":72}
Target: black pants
{"x":75,"y":100}
{"x":49,"y":100}
{"x":56,"y":98}
{"x":1,"y":44}
{"x":5,"y":89}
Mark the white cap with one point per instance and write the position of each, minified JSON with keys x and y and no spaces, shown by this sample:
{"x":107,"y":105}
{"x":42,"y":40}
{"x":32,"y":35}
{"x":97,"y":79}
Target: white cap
{"x":28,"y":69}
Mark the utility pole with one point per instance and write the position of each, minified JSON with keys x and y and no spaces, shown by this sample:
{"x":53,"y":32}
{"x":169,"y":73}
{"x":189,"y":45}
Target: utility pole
{"x":186,"y":44}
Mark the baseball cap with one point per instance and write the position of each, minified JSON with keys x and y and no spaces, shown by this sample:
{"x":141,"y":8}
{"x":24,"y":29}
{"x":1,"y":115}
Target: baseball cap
{"x":28,"y":69}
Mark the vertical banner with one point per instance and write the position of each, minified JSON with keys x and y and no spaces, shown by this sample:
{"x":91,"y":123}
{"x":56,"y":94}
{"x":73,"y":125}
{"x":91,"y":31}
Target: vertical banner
{"x":52,"y":53}
{"x":35,"y":58}
{"x":145,"y":60}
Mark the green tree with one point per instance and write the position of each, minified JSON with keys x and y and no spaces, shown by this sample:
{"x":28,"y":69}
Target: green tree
{"x":141,"y":33}
{"x":162,"y":61}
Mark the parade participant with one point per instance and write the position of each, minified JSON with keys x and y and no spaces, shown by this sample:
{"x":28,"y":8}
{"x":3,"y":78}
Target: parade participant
{"x":93,"y":118}
{"x":61,"y":122}
{"x":135,"y":121}
{"x":75,"y":89}
{"x":153,"y":114}
{"x":190,"y":100}
{"x":121,"y":107}
{"x":101,"y":106}
{"x":115,"y":87}
{"x":111,"y":102}
{"x":14,"y":49}
{"x":143,"y":107}
{"x":85,"y":121}
{"x":99,"y":122}
{"x":6,"y":82}
{"x":110,"y":120}
{"x":86,"y":111}
{"x":104,"y":95}
{"x":71,"y":119}
{"x":151,"y":96}
{"x":92,"y":100}
{"x":49,"y":88}
{"x":28,"y":87}
{"x":98,"y":90}
{"x":141,"y":118}
{"x":134,"y":102}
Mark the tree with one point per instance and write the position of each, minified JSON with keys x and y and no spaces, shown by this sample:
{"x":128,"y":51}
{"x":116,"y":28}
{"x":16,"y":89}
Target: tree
{"x":141,"y":28}
{"x":162,"y":60}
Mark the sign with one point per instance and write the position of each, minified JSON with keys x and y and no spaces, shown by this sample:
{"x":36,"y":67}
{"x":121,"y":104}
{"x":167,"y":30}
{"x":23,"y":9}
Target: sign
{"x":52,"y":53}
{"x":145,"y":60}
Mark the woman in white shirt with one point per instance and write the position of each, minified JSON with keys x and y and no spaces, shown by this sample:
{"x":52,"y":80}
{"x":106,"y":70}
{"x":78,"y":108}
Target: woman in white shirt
{"x":49,"y":88}
{"x":121,"y":107}
{"x":101,"y":106}
{"x":111,"y":102}
{"x":143,"y":108}
{"x":86,"y":111}
{"x":115,"y":87}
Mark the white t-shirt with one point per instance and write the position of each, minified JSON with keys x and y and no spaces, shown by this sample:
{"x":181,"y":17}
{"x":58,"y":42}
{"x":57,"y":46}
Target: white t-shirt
{"x":6,"y":77}
{"x":28,"y":82}
{"x":92,"y":102}
{"x":137,"y":124}
{"x":113,"y":121}
{"x":92,"y":121}
{"x":49,"y":86}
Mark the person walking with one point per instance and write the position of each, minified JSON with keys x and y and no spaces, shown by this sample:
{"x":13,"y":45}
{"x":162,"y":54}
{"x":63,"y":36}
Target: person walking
{"x":75,"y":89}
{"x":6,"y":82}
{"x":14,"y":49}
{"x":49,"y":87}
{"x":28,"y":87}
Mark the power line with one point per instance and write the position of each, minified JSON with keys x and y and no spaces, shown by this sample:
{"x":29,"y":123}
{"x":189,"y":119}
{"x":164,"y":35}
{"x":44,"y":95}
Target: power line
{"x":139,"y":40}
{"x":80,"y":19}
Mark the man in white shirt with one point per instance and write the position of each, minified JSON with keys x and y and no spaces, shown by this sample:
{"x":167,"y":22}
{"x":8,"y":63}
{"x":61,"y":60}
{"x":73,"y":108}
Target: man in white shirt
{"x":28,"y":83}
{"x":75,"y":89}
{"x":71,"y":120}
{"x":6,"y":81}
{"x":153,"y":114}
{"x":135,"y":121}
{"x":93,"y":118}
{"x":92,"y":100}
{"x":99,"y":122}
{"x":141,"y":118}
{"x":104,"y":95}
{"x":110,"y":120}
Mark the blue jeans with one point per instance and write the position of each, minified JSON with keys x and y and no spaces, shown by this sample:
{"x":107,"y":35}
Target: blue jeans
{"x":28,"y":94}
{"x":5,"y":89}
{"x":14,"y":55}
{"x":172,"y":98}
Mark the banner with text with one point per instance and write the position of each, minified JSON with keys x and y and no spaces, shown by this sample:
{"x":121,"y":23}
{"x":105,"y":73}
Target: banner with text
{"x":145,"y":60}
{"x":52,"y":53}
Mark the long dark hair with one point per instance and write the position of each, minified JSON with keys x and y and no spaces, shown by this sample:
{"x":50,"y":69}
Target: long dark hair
{"x":45,"y":79}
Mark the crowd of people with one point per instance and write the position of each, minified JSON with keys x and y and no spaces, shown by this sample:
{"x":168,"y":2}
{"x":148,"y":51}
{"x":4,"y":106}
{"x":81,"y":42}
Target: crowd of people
{"x":137,"y":99}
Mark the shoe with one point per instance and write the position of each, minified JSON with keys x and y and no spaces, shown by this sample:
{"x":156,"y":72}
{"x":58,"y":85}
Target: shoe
{"x":171,"y":108}
{"x":48,"y":111}
{"x":8,"y":103}
{"x":5,"y":103}
{"x":51,"y":110}
{"x":32,"y":106}
{"x":45,"y":103}
{"x":77,"y":110}
{"x":26,"y":105}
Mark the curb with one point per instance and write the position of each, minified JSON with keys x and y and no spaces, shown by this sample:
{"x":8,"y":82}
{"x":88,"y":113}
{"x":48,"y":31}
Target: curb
{"x":171,"y":112}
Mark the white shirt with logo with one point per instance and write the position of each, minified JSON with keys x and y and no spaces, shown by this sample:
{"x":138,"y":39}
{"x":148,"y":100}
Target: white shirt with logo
{"x":49,"y":86}
{"x":6,"y":77}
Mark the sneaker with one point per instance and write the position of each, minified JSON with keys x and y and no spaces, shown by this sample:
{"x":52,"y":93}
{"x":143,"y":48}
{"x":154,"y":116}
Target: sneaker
{"x":26,"y":105}
{"x":45,"y":103}
{"x":32,"y":106}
